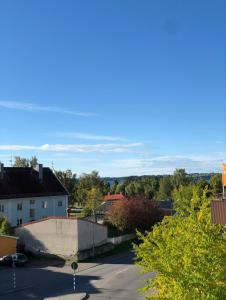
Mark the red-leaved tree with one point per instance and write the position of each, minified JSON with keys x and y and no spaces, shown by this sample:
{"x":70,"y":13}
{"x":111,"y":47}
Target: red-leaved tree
{"x":134,"y":213}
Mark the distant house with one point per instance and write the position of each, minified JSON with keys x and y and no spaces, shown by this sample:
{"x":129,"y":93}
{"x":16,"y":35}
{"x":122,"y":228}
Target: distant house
{"x":110,"y":199}
{"x":28,"y":194}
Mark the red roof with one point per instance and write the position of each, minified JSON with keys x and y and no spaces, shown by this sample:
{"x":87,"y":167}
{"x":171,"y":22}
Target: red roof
{"x":115,"y":197}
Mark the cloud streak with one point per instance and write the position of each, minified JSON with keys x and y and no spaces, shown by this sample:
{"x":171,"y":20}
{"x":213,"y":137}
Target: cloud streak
{"x":167,"y":164}
{"x":75,"y":148}
{"x":88,"y":136}
{"x":25,"y":106}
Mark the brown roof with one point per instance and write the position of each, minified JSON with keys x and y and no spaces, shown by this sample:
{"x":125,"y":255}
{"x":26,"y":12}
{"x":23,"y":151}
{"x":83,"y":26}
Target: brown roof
{"x":218,"y":212}
{"x":24,"y":182}
{"x":114,"y":197}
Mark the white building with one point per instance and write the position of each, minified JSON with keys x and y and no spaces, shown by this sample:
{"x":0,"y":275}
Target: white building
{"x":28,"y":194}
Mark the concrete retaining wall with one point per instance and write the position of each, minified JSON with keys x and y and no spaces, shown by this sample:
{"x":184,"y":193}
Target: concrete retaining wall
{"x":61,"y":236}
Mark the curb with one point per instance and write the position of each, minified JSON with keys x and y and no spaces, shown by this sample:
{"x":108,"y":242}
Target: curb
{"x":80,"y":296}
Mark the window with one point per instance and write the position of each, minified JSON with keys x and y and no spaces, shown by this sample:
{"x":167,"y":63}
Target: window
{"x":32,"y":213}
{"x":60,"y":203}
{"x":32,"y":201}
{"x":19,"y":222}
{"x":19,"y":206}
{"x":1,"y":208}
{"x":44,"y":204}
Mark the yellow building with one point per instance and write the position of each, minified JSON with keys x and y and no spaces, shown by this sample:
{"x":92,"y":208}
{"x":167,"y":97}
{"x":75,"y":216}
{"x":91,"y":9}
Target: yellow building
{"x":8,"y":244}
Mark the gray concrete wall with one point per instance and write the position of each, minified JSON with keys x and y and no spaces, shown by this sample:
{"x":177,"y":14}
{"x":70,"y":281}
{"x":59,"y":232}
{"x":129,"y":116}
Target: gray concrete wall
{"x":61,"y":236}
{"x":89,"y":233}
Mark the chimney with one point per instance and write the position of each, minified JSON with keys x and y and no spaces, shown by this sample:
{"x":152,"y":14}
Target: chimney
{"x":39,"y":169}
{"x":1,"y":170}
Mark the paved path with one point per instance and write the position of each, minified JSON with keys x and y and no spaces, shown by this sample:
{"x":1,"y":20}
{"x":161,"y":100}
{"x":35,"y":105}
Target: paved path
{"x":114,"y":277}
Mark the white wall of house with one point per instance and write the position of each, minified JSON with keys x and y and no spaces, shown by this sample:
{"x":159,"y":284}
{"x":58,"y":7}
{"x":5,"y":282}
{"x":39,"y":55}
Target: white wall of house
{"x":23,"y":210}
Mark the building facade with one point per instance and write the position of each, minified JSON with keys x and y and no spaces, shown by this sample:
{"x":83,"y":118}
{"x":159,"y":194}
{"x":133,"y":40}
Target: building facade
{"x":28,"y":194}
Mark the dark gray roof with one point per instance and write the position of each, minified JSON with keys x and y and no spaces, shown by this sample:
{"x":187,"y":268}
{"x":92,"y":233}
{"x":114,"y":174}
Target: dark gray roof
{"x":24,"y":182}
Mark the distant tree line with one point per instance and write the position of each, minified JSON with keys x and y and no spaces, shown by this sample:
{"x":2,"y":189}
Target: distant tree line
{"x":155,"y":187}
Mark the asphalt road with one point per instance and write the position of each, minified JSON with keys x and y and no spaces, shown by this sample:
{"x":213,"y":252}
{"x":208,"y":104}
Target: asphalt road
{"x":115,"y":278}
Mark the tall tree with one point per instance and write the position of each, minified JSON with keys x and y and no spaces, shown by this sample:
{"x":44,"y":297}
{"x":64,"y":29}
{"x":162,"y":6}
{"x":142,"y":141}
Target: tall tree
{"x":179,"y":178}
{"x":20,"y":162}
{"x":182,"y":199}
{"x":216,"y":184}
{"x":70,"y":182}
{"x":86,"y":183}
{"x":93,"y":203}
{"x":23,"y":162}
{"x":165,"y":188}
{"x":188,"y":255}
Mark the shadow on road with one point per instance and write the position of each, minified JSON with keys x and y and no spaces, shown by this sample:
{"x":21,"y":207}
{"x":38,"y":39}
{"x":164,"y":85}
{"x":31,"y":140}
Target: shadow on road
{"x":41,"y":283}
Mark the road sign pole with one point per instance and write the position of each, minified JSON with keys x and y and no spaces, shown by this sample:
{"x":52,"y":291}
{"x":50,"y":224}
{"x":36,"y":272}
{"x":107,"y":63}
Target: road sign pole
{"x":14,"y":274}
{"x":74,"y":266}
{"x":74,"y":281}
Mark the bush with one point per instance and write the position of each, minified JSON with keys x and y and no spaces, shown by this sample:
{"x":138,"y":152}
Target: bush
{"x":188,"y":255}
{"x":5,"y":227}
{"x":134,"y":213}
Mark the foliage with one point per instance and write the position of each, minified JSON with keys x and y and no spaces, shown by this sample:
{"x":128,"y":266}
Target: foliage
{"x":86,"y":183}
{"x":216,"y":184}
{"x":134,"y":213}
{"x":179,"y":178}
{"x":69,"y":181}
{"x":182,"y":199}
{"x":5,"y":227}
{"x":188,"y":255}
{"x":93,"y":203}
{"x":25,"y":162}
{"x":165,"y":188}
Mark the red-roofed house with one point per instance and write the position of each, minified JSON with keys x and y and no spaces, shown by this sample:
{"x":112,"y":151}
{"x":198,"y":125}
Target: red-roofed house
{"x":110,"y":199}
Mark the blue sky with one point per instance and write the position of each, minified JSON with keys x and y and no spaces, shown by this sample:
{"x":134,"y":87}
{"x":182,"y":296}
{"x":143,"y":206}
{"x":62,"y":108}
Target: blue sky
{"x":122,"y":87}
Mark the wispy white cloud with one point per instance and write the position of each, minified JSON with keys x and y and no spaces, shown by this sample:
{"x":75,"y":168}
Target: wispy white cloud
{"x":167,"y":164}
{"x":76,"y":148}
{"x":88,"y":136}
{"x":33,"y":107}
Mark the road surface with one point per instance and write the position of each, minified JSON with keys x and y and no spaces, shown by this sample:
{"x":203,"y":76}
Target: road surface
{"x":116,"y":277}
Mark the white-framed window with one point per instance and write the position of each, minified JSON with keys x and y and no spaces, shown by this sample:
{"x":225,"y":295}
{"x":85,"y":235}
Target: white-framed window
{"x":32,"y":201}
{"x":19,"y":206}
{"x":60,"y":203}
{"x":19,"y":222}
{"x":44,"y":204}
{"x":2,"y":208}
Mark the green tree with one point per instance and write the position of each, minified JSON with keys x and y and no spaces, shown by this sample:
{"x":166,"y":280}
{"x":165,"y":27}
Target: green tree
{"x":165,"y":188}
{"x":179,"y":178}
{"x":88,"y":181}
{"x":70,"y":182}
{"x":182,"y":199}
{"x":20,"y":162}
{"x":23,"y":162}
{"x":216,"y":184}
{"x":188,"y":255}
{"x":93,"y":203}
{"x":5,"y":227}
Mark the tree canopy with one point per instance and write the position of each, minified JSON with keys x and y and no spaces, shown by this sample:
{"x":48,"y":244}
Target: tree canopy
{"x":187,"y":253}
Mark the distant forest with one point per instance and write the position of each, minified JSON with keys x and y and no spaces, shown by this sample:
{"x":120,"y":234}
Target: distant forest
{"x":153,"y":187}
